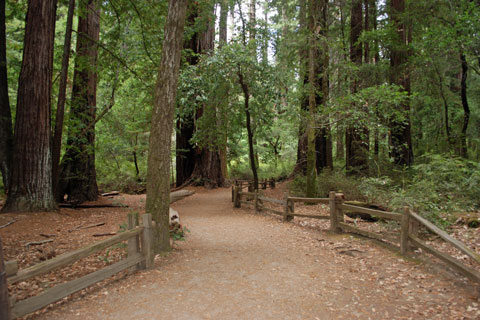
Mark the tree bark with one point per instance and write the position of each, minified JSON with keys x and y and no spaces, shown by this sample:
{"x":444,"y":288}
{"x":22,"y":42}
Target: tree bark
{"x":313,"y":12}
{"x":223,"y":22}
{"x":78,"y":178}
{"x":400,"y":131}
{"x":466,"y":108}
{"x":62,"y":95}
{"x":223,"y":41}
{"x":356,"y":137}
{"x":251,"y":151}
{"x":158,"y":172}
{"x":301,"y":164}
{"x":252,"y":21}
{"x":31,"y":180}
{"x":323,"y":140}
{"x":6,"y":131}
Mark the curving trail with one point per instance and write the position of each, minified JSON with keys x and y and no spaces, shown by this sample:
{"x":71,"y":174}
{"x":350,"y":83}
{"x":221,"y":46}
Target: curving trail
{"x":238,"y":265}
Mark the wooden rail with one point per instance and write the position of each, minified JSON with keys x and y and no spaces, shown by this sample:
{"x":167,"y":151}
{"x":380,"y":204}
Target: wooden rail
{"x":264,"y":184}
{"x":406,"y":237}
{"x":140,"y":255}
{"x":71,"y":257}
{"x":309,"y":200}
{"x":378,"y":213}
{"x":442,"y":234}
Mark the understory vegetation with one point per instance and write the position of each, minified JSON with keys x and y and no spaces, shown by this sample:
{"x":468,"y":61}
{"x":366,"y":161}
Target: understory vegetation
{"x":379,"y":100}
{"x":438,"y":187}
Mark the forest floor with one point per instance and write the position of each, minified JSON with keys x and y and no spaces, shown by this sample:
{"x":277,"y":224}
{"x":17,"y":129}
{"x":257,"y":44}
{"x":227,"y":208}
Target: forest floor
{"x":236,"y":264}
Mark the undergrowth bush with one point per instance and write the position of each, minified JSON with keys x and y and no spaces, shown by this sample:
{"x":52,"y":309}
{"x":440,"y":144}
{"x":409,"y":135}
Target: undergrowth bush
{"x":436,"y":187}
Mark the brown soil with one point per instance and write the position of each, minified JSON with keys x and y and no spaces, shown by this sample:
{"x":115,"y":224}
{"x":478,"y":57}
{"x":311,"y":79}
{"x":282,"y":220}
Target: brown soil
{"x":238,"y":265}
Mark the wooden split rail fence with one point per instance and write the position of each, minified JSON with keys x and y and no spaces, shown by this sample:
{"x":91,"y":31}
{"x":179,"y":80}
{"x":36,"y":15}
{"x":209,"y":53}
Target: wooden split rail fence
{"x":140,"y":256}
{"x":406,"y":238}
{"x":249,"y":184}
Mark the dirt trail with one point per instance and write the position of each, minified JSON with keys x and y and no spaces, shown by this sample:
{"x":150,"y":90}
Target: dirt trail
{"x":238,"y":265}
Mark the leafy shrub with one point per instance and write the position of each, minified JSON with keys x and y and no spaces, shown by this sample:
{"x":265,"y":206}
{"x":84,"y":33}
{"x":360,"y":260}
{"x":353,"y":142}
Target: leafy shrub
{"x":436,"y":187}
{"x":329,"y":181}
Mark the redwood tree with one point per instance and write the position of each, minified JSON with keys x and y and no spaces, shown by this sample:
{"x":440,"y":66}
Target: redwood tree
{"x":195,"y":163}
{"x":356,"y":137}
{"x":158,"y":173}
{"x":78,"y":174}
{"x":31,"y":179}
{"x":400,"y":130}
{"x":6,"y":132}
{"x":62,"y":96}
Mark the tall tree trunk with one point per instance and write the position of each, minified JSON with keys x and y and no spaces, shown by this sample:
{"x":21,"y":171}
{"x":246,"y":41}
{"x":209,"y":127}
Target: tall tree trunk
{"x":6,"y":131}
{"x":223,"y":41}
{"x":158,"y":172}
{"x":31,"y":180}
{"x":466,"y":108}
{"x":252,"y":21}
{"x":62,"y":95}
{"x":400,"y":131}
{"x":313,"y":12}
{"x":367,"y":28}
{"x":208,"y":168}
{"x":252,"y":35}
{"x":375,"y":59}
{"x":185,"y":149}
{"x":356,"y":137}
{"x":223,"y":22}
{"x":301,"y":164}
{"x":251,"y":151}
{"x":205,"y":162}
{"x":265,"y":30}
{"x":323,"y":140}
{"x":78,"y":178}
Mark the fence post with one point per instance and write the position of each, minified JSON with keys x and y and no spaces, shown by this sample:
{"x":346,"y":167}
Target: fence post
{"x":404,"y":231}
{"x":286,"y":216}
{"x":340,"y":199}
{"x":233,"y":191}
{"x":333,"y":212}
{"x":291,"y":208}
{"x":133,"y":243}
{"x":4,"y":301}
{"x":272,"y":184}
{"x":255,"y":198}
{"x":236,"y":197}
{"x":147,"y":244}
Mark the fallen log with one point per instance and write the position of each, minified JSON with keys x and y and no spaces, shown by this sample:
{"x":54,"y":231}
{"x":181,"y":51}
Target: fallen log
{"x":361,"y":215}
{"x":179,"y":195}
{"x":37,"y":243}
{"x":7,"y":224}
{"x":80,"y":227}
{"x":48,"y":235}
{"x":91,"y":206}
{"x":104,"y":234}
{"x":111,"y":193}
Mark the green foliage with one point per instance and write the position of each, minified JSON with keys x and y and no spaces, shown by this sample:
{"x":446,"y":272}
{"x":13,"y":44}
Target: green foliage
{"x":178,"y":233}
{"x":437,"y":187}
{"x":328,"y":181}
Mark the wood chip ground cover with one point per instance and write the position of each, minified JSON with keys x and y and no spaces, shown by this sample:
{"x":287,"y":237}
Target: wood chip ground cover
{"x":238,"y":265}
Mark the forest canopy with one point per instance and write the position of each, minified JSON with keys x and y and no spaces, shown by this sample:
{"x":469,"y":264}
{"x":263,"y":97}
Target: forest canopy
{"x":378,"y":99}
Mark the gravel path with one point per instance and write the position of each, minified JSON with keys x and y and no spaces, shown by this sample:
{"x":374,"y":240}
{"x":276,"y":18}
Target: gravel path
{"x":238,"y":265}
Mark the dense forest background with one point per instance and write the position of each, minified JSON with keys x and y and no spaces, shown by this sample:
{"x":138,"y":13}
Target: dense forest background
{"x":378,"y":99}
